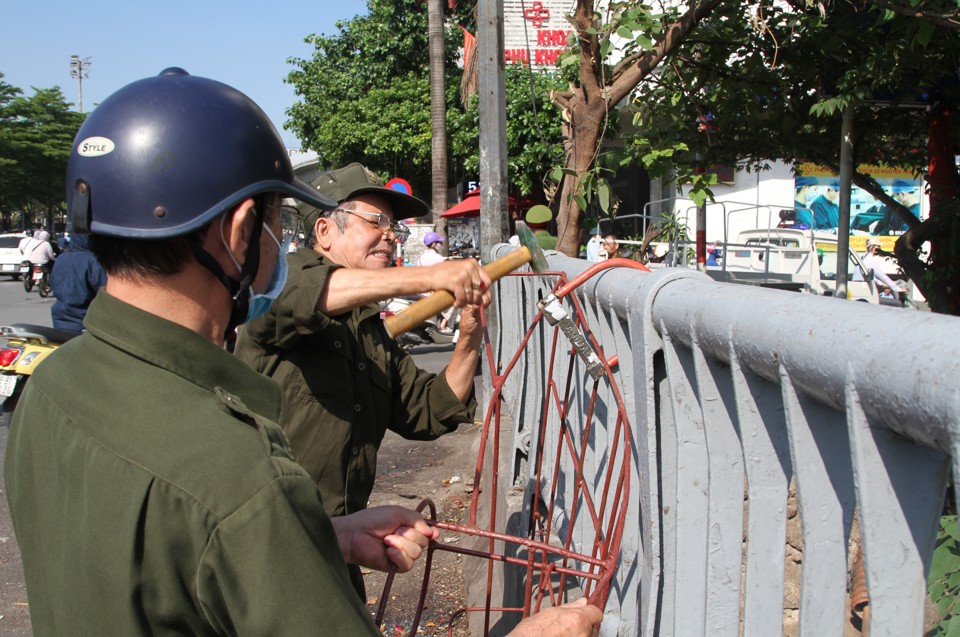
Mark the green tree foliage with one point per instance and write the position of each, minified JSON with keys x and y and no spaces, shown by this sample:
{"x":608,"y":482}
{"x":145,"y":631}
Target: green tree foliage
{"x":36,"y":135}
{"x":758,"y":84}
{"x":615,"y":46}
{"x":533,"y":129}
{"x":364,"y":96}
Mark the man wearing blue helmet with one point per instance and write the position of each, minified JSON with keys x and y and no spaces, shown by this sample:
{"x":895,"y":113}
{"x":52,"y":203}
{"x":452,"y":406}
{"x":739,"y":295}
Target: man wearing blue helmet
{"x":151,"y":488}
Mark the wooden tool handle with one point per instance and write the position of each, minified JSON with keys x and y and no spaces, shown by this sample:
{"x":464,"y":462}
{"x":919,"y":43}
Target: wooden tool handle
{"x":441,"y":299}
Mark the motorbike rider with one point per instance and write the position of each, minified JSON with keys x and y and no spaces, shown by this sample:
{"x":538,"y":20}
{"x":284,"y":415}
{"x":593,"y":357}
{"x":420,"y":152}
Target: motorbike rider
{"x":431,"y":256}
{"x":871,"y":260}
{"x":38,"y":250}
{"x":75,"y":278}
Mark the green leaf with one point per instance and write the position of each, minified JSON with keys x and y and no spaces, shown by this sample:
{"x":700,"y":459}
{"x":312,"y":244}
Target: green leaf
{"x":925,"y":31}
{"x":581,"y":202}
{"x":603,"y":195}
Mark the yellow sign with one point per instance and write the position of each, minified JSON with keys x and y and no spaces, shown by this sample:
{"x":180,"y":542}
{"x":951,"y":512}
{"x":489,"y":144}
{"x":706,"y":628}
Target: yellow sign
{"x":858,"y":243}
{"x":809,"y":169}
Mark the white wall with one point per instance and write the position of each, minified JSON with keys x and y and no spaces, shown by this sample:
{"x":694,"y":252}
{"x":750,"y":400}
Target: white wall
{"x":754,"y":200}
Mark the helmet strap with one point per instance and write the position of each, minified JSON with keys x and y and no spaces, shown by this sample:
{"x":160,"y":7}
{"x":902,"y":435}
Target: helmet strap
{"x":238,"y":289}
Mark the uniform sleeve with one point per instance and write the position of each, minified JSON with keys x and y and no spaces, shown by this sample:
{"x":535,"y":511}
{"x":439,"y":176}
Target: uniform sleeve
{"x":294,"y":314}
{"x":273,"y":567}
{"x":426,"y":407}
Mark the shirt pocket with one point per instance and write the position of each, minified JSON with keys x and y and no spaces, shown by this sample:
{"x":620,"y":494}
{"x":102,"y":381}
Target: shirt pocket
{"x":323,"y":362}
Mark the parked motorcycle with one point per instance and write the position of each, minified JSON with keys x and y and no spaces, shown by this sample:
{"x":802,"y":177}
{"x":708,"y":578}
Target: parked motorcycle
{"x":26,"y":347}
{"x":36,"y":274}
{"x":429,"y":333}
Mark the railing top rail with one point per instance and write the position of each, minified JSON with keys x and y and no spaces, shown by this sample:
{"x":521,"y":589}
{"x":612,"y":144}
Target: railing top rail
{"x":904,"y":363}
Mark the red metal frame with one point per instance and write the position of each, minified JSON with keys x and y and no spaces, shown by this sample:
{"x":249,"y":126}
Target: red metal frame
{"x":594,"y":565}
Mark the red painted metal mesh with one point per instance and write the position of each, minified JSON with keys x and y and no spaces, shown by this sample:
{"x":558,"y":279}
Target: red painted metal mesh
{"x":575,"y":530}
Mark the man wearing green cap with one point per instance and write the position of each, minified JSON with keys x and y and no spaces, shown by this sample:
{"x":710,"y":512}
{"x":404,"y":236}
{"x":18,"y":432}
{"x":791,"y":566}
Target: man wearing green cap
{"x":344,"y":380}
{"x":538,"y":218}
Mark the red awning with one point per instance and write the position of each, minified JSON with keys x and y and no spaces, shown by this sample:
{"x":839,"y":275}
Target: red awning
{"x":470,"y":205}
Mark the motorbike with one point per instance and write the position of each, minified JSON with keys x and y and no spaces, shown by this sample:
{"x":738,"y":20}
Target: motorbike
{"x":36,"y":274}
{"x":464,"y":250}
{"x":27,"y":346}
{"x":429,"y":333}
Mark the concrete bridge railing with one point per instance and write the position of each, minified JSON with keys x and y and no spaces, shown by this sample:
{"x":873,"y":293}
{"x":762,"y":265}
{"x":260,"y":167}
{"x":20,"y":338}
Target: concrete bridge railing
{"x":736,"y":393}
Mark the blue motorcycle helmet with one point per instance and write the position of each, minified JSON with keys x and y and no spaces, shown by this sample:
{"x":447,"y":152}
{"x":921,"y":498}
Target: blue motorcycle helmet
{"x":164,"y":156}
{"x":142,"y":163}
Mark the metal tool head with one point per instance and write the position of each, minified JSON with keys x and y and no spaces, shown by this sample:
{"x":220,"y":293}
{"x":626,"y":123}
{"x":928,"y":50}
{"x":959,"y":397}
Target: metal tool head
{"x":538,"y":261}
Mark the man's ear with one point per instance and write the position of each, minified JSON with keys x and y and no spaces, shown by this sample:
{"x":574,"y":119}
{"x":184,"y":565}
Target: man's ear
{"x":325,"y":230}
{"x":238,"y":229}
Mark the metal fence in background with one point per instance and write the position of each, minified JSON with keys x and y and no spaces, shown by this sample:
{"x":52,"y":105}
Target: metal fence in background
{"x":735,"y":392}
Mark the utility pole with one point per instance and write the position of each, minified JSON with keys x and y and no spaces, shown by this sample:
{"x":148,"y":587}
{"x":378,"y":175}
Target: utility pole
{"x":493,"y":126}
{"x":438,"y":114}
{"x":846,"y":176}
{"x":79,"y":70}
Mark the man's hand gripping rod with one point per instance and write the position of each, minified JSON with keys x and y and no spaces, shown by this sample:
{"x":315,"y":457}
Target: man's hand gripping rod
{"x":441,"y":299}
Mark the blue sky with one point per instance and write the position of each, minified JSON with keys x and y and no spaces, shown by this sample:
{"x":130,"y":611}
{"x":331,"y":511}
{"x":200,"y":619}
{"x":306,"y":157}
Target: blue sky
{"x":242,"y":43}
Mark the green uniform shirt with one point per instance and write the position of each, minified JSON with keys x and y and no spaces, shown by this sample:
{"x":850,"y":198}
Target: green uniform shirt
{"x":152,"y":493}
{"x":546,"y":240}
{"x":345,"y":382}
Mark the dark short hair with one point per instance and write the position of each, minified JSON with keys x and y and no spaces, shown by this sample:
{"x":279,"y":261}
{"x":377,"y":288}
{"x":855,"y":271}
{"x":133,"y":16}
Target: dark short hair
{"x":145,"y":258}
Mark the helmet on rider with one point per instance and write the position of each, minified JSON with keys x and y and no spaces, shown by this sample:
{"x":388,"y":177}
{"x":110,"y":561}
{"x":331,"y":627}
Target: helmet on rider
{"x":431,"y":238}
{"x":873,"y":242}
{"x":164,"y":156}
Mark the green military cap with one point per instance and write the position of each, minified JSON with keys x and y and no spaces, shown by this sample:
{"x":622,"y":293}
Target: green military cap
{"x":539,"y":215}
{"x":354,"y":180}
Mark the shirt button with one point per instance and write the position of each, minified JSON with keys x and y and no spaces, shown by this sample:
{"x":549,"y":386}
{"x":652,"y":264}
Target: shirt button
{"x":337,"y":344}
{"x":357,"y":407}
{"x":354,"y":450}
{"x":361,"y":366}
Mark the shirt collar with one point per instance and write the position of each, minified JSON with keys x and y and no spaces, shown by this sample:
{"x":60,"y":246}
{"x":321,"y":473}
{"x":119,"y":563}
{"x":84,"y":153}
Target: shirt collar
{"x":181,"y":351}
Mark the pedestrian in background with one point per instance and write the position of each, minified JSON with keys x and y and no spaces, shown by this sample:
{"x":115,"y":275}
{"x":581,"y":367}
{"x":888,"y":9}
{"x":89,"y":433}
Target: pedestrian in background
{"x":75,"y":279}
{"x":611,"y":247}
{"x":538,"y":218}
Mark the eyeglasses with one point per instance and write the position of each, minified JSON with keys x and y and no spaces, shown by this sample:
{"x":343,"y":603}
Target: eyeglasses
{"x":382,"y":222}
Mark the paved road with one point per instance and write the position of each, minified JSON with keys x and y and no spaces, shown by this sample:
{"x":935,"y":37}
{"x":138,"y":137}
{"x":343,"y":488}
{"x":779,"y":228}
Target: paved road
{"x":17,"y":306}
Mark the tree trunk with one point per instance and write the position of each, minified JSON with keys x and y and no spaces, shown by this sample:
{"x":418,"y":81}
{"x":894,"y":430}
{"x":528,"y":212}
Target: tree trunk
{"x":438,"y":108}
{"x":945,"y":209}
{"x":586,"y":107}
{"x":582,"y":137}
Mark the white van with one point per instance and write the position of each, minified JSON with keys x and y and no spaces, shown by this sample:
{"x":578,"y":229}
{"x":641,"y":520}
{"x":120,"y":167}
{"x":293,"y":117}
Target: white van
{"x":793,"y":259}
